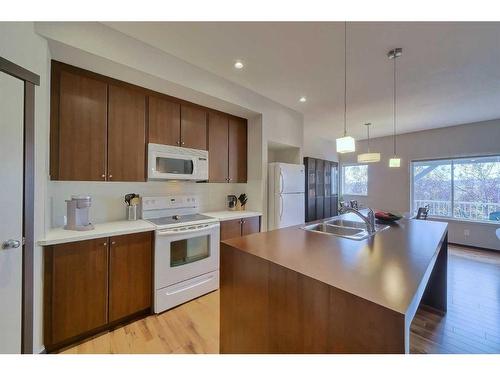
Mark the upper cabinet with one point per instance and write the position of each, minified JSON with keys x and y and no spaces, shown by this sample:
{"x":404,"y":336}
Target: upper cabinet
{"x":218,"y":137}
{"x":175,"y":124}
{"x":164,"y":121}
{"x":227,"y":148}
{"x":100,"y":128}
{"x":126,"y":134}
{"x":78,"y":127}
{"x":237,"y":150}
{"x":193,"y":127}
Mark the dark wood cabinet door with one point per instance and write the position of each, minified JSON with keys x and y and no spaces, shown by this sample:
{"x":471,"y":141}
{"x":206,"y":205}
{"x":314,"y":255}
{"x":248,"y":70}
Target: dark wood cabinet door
{"x":193,"y":127}
{"x":320,"y":189}
{"x":320,"y":178}
{"x":320,"y":208}
{"x":76,"y":289}
{"x":250,"y":225}
{"x":328,"y":178}
{"x":310,"y":198}
{"x":164,"y":121}
{"x":78,"y":133}
{"x":327,"y":207}
{"x":230,"y":229}
{"x":237,"y":150}
{"x":334,"y":208}
{"x":130,"y":274}
{"x":126,"y":134}
{"x":218,"y":147}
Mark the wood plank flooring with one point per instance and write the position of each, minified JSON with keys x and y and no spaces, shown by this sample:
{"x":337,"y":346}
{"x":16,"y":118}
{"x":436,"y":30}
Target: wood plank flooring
{"x":472,"y":324}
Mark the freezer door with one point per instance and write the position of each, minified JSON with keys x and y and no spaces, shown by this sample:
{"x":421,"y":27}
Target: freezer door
{"x":290,"y":178}
{"x":290,"y":210}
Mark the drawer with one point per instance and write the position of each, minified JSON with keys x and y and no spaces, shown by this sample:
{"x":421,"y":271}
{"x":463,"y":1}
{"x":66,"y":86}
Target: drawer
{"x":176,"y":294}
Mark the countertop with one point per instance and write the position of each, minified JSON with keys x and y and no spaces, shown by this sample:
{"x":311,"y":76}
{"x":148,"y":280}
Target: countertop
{"x":386,"y":268}
{"x":230,"y":215}
{"x":59,"y":235}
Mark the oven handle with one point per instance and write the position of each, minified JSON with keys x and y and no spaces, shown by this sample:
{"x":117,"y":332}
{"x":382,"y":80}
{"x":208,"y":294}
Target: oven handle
{"x":169,"y":231}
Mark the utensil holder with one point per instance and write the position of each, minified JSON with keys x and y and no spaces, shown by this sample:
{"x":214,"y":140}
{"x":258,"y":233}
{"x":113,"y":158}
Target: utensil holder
{"x":132,"y":213}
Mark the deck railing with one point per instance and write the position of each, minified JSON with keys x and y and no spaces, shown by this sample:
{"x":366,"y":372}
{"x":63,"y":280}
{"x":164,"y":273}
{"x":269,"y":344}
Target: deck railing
{"x":462,"y":210}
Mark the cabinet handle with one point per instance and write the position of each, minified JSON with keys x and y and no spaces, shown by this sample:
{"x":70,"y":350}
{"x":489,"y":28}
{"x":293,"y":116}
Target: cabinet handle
{"x":229,"y":179}
{"x":110,"y":176}
{"x":103,"y":176}
{"x":182,"y":143}
{"x":178,"y":143}
{"x":113,"y":243}
{"x":105,"y":244}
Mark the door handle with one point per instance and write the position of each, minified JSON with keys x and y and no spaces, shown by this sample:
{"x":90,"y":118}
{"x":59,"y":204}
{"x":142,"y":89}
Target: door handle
{"x":281,"y":208}
{"x":11,"y":244}
{"x":282,"y":183}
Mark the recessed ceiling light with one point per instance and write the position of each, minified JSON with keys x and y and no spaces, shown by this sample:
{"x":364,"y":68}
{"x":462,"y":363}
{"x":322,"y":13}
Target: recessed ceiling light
{"x":238,"y":64}
{"x":303,"y":99}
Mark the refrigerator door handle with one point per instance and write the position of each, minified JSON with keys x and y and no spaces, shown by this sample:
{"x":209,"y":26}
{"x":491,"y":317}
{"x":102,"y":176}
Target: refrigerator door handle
{"x":281,"y":206}
{"x":282,"y":180}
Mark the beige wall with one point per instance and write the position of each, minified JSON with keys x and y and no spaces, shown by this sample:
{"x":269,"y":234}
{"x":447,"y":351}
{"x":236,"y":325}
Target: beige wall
{"x":389,"y":188}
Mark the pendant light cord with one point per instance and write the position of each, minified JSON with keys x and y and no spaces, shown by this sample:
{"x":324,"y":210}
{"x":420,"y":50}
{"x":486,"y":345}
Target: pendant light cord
{"x":394,"y":104}
{"x":345,"y":78}
{"x":368,"y":131}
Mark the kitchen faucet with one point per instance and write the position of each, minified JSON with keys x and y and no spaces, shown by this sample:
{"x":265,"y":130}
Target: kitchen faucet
{"x":368,"y":219}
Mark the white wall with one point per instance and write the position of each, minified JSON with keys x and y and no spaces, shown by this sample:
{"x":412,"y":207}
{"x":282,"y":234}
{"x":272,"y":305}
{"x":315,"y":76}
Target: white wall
{"x":389,"y":188}
{"x":20,"y":44}
{"x":108,"y":197}
{"x":319,"y":137}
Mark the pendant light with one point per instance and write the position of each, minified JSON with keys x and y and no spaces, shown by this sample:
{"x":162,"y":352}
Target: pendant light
{"x":346,"y":143}
{"x":369,"y":157}
{"x":393,"y":54}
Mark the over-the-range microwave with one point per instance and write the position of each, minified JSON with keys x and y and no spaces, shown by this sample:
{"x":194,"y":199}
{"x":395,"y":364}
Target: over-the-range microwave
{"x":176,"y":163}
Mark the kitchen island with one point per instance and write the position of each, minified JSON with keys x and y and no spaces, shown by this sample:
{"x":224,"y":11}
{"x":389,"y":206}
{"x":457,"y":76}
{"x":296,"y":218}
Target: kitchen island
{"x":296,"y":291}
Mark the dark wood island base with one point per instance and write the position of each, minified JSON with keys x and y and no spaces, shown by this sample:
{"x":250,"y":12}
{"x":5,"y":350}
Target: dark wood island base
{"x":269,"y":308}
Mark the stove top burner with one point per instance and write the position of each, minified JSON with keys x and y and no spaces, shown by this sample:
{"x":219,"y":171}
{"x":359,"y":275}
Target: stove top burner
{"x":176,"y":219}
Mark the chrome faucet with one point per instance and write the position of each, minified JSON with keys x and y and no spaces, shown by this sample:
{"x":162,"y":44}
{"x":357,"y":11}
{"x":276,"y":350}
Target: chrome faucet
{"x":368,"y":219}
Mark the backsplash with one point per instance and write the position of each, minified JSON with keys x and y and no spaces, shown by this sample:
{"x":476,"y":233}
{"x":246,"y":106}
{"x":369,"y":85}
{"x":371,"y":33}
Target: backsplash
{"x":108,"y":197}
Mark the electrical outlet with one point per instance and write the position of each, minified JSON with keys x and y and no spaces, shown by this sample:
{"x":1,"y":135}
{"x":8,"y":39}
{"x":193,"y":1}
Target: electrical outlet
{"x":466,"y":232}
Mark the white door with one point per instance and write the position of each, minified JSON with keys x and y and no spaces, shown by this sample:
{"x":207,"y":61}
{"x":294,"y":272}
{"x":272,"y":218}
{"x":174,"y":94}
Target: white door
{"x":11,"y":211}
{"x":290,"y":210}
{"x":291,"y":178}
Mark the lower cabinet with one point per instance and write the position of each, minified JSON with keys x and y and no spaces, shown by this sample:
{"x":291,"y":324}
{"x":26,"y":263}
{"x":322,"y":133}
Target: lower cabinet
{"x":130,"y":275}
{"x":90,"y":284}
{"x":239,"y":227}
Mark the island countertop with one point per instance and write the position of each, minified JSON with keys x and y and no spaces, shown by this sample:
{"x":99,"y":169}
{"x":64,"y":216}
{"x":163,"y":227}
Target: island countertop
{"x":389,"y":268}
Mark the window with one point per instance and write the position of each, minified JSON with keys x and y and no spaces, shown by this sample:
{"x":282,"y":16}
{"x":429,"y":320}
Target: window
{"x":465,"y":188}
{"x":355,"y":180}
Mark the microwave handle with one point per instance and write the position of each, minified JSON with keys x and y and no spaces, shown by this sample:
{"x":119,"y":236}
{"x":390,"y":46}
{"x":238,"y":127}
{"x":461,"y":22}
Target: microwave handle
{"x":169,"y":231}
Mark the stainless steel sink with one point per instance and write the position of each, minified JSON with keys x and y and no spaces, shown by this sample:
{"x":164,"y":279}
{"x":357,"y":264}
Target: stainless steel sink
{"x":353,"y":230}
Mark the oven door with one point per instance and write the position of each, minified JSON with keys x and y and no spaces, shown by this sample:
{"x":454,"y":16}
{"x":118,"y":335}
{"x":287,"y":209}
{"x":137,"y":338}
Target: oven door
{"x":186,"y":252}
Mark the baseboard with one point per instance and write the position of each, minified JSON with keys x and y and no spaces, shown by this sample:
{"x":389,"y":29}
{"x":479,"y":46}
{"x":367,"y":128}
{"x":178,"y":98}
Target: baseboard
{"x":472,"y":247}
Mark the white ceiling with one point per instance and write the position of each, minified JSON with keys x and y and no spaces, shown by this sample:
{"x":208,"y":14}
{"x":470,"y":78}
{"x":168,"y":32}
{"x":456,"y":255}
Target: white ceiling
{"x":449,"y":72}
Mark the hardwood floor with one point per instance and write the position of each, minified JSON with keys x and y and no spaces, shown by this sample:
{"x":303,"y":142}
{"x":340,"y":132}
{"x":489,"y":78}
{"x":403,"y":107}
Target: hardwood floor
{"x":472,"y":324}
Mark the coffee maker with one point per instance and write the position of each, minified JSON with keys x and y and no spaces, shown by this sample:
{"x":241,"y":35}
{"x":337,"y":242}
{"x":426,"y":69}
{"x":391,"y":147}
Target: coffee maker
{"x":78,"y":216}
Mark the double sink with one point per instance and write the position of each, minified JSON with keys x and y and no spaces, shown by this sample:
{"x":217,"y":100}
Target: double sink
{"x":354,"y":230}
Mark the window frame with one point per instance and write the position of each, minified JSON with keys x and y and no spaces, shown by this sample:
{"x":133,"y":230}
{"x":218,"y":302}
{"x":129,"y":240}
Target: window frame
{"x":451,"y":161}
{"x":342,"y":178}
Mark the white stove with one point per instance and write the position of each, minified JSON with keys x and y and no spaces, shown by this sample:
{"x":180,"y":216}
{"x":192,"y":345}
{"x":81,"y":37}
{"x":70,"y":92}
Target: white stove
{"x":186,"y":250}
